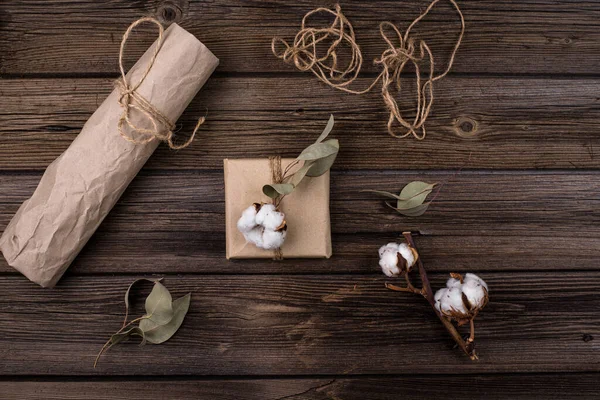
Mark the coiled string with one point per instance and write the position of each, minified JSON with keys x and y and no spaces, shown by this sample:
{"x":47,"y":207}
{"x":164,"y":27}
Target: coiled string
{"x":304,"y":54}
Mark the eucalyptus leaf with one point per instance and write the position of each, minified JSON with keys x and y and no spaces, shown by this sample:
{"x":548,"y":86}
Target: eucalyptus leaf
{"x":320,"y":150}
{"x":159,"y":307}
{"x":321,"y":166}
{"x":414,"y":194}
{"x":327,"y":129}
{"x":129,"y":290}
{"x":157,"y":334}
{"x":383,"y":193}
{"x":411,"y":212}
{"x":411,"y":200}
{"x":122,"y":336}
{"x":297,"y":177}
{"x":277,"y":189}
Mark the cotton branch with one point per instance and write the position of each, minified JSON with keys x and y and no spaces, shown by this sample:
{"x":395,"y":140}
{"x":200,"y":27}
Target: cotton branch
{"x":468,"y":347}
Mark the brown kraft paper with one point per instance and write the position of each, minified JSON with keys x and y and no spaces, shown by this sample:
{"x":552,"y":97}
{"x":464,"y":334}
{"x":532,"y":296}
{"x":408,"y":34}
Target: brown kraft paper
{"x":83,"y":184}
{"x":306,"y":211}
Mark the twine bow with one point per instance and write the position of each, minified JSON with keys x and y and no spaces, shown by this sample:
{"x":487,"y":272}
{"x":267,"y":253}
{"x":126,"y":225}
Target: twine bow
{"x":304,"y":55}
{"x":162,"y":126}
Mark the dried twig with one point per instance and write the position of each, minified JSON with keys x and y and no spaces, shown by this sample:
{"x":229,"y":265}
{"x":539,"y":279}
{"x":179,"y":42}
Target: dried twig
{"x":467,"y":347}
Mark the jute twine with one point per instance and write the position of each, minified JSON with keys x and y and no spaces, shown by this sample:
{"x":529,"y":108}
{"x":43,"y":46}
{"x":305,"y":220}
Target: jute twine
{"x":162,"y":126}
{"x":305,"y":55}
{"x":276,"y":177}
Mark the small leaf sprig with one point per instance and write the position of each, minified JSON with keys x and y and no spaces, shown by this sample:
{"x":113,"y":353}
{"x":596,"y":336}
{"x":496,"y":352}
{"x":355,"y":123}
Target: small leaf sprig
{"x":264,"y":225}
{"x":318,"y":159}
{"x":411,"y":201}
{"x":163,"y":317}
{"x":461,"y":300}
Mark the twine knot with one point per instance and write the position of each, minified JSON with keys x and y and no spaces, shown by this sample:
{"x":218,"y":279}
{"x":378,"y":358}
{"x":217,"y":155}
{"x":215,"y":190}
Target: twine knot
{"x":401,"y":50}
{"x":162,"y":127}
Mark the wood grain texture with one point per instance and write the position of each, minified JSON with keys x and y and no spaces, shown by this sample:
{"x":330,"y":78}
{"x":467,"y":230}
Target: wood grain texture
{"x":489,"y":387}
{"x":502,"y":36}
{"x":282,"y":325}
{"x":519,"y":114}
{"x":174,"y":222}
{"x":476,"y":123}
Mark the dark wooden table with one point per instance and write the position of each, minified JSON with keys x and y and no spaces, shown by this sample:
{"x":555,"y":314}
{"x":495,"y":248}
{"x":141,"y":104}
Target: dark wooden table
{"x":519,"y":114}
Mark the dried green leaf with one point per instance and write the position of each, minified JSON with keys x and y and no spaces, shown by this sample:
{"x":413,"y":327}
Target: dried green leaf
{"x":320,"y":150}
{"x":411,"y":212}
{"x":414,"y":194}
{"x":277,"y":189}
{"x":157,"y":334}
{"x":159,"y":307}
{"x":129,"y":290}
{"x":300,"y":174}
{"x":327,"y":129}
{"x":122,"y":336}
{"x":321,"y":166}
{"x":383,"y":193}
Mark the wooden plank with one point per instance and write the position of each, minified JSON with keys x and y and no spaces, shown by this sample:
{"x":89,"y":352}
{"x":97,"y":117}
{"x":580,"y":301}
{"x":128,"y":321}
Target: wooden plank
{"x":502,"y":36}
{"x":476,"y":123}
{"x":489,"y":387}
{"x":174,"y":222}
{"x":290,"y":325}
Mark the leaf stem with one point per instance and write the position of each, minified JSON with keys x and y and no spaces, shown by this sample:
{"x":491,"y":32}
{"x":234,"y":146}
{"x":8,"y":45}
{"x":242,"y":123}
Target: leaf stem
{"x":288,"y":168}
{"x":467,"y":348}
{"x":106,"y":345}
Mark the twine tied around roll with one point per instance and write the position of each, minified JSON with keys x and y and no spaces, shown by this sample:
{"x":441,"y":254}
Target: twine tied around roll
{"x":162,"y":126}
{"x":276,"y":177}
{"x":304,"y":55}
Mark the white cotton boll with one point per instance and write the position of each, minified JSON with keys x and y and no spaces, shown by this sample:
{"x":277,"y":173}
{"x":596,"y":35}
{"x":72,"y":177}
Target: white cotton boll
{"x":388,"y":248}
{"x":248,"y":219}
{"x":255,"y":236}
{"x":264,"y":211}
{"x":452,"y":301}
{"x":389,"y":264}
{"x":273,"y":239}
{"x":273,"y":220}
{"x":406,"y":252}
{"x":453,"y":282}
{"x":469,"y":277}
{"x":438,"y":297}
{"x":475,"y":292}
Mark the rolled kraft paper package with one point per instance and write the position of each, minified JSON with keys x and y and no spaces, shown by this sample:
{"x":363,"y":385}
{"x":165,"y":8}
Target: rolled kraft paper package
{"x":83,"y":184}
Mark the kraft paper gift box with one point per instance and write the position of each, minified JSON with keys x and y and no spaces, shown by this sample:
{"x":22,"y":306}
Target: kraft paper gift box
{"x":306,"y":211}
{"x":83,"y":184}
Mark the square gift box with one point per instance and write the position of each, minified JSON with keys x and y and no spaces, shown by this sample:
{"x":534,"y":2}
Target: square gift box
{"x":306,"y":211}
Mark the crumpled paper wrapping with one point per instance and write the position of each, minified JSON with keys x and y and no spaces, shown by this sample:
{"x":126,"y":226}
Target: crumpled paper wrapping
{"x":306,"y":211}
{"x":83,"y":184}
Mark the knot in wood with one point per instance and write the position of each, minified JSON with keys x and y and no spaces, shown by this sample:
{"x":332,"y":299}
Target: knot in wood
{"x":466,"y":127}
{"x":169,"y":12}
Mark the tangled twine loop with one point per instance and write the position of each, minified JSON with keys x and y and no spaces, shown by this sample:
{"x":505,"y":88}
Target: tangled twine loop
{"x":162,"y":126}
{"x":303,"y":53}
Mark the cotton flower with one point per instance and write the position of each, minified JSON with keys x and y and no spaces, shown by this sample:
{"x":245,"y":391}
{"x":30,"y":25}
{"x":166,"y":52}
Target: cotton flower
{"x":273,"y":239}
{"x":475,"y":289}
{"x":263,"y":225}
{"x":255,"y":236}
{"x":462,"y":298}
{"x":248,"y":219}
{"x":395,"y":258}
